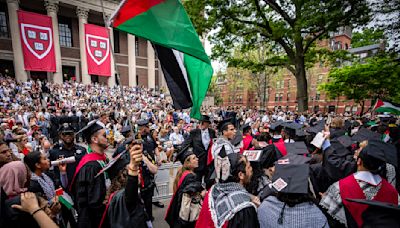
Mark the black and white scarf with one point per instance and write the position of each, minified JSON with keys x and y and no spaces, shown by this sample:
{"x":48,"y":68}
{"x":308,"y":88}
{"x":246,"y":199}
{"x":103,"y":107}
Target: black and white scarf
{"x":46,"y":183}
{"x":225,"y":200}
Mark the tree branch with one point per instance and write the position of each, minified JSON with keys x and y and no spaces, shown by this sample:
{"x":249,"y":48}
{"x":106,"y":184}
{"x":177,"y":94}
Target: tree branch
{"x":310,"y":41}
{"x":281,"y":12}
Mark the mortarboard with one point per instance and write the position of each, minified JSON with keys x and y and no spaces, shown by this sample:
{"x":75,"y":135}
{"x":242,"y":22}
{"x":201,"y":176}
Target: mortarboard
{"x":224,"y":123}
{"x":318,"y":127}
{"x":293,"y":159}
{"x":121,"y":161}
{"x":245,"y":127}
{"x":270,"y":154}
{"x":373,"y":155}
{"x":296,"y":148}
{"x":345,"y":140}
{"x":388,"y":150}
{"x":291,"y":178}
{"x":91,"y":128}
{"x":184,"y":153}
{"x":126,"y":129}
{"x":379,"y":214}
{"x":365,"y":134}
{"x":292,"y":125}
{"x":237,"y":139}
{"x":142,"y":122}
{"x":277,"y":126}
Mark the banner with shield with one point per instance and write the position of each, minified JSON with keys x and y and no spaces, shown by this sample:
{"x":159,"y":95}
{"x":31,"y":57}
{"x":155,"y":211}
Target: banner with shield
{"x":97,"y":50}
{"x":37,"y":41}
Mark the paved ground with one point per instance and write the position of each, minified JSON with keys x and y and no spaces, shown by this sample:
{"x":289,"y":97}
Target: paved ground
{"x":159,"y":214}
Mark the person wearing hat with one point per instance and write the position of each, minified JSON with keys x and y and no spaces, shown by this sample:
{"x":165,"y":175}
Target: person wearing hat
{"x":66,"y":148}
{"x":185,"y":185}
{"x":227,"y":203}
{"x":88,"y":189}
{"x":366,"y":183}
{"x":149,"y":167}
{"x":292,"y":205}
{"x":200,"y":139}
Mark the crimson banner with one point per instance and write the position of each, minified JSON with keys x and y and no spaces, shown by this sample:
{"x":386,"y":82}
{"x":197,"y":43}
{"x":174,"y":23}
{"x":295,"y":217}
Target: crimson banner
{"x":37,"y":41}
{"x":97,"y":50}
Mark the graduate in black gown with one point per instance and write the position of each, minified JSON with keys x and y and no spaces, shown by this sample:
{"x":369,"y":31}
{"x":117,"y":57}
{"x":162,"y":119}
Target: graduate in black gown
{"x":185,"y":182}
{"x":124,"y":207}
{"x":88,"y":189}
{"x":228,"y":204}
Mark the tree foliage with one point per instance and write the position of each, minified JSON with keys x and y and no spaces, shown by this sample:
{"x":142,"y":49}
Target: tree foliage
{"x":366,"y":37}
{"x":290,"y":26}
{"x":377,"y":77}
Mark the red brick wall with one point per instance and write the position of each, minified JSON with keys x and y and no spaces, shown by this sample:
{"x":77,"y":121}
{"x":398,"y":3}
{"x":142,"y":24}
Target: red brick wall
{"x":142,"y":73}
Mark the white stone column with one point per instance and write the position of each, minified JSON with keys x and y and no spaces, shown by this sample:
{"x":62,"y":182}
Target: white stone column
{"x":82,"y":18}
{"x":132,"y":60}
{"x":52,"y":9}
{"x":111,"y":79}
{"x":151,"y":75}
{"x":19,"y":69}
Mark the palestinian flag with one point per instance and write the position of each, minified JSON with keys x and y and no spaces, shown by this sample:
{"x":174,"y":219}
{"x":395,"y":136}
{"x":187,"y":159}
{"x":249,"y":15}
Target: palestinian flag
{"x":186,"y":67}
{"x":383,"y":106}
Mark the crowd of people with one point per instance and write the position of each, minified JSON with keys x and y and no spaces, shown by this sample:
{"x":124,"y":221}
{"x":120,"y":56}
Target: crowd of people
{"x":75,"y":155}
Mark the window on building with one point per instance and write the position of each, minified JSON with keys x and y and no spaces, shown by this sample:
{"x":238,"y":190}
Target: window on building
{"x":288,"y":83}
{"x":281,"y":97}
{"x":320,"y":78}
{"x":3,"y":25}
{"x":65,"y":32}
{"x":317,"y":96}
{"x":137,"y":46}
{"x":116,"y":41}
{"x":288,"y":97}
{"x":347,"y":109}
{"x":354,"y":109}
{"x":276,"y":96}
{"x":278,"y":84}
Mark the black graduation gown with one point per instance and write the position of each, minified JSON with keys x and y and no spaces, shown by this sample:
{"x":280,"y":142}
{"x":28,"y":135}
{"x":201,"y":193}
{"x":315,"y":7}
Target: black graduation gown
{"x":126,"y":208}
{"x":89,"y":193}
{"x":189,"y":185}
{"x":246,"y":217}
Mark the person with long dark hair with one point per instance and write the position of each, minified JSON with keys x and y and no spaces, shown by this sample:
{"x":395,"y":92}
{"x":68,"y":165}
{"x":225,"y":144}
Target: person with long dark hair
{"x":185,"y":184}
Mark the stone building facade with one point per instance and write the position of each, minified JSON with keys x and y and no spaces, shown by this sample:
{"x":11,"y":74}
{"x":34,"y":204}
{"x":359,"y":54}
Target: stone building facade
{"x":135,"y":59}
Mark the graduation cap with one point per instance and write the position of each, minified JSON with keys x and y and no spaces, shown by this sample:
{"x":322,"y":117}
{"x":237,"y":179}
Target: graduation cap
{"x":365,"y":134}
{"x":126,"y":129}
{"x":292,"y":125}
{"x":91,"y":128}
{"x":237,"y":139}
{"x":318,"y":127}
{"x":373,"y":155}
{"x":293,"y":159}
{"x":291,"y":178}
{"x":388,"y":150}
{"x":296,"y":148}
{"x":224,"y":123}
{"x":277,"y":126}
{"x":345,"y":140}
{"x":379,"y":214}
{"x":301,"y":132}
{"x":117,"y":164}
{"x":184,"y":153}
{"x":270,"y":154}
{"x":142,"y":122}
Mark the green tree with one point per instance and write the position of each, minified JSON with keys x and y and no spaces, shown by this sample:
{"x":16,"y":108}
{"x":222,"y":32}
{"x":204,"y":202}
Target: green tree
{"x":214,"y":91}
{"x":377,"y":77}
{"x":367,"y":37}
{"x":290,"y":26}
